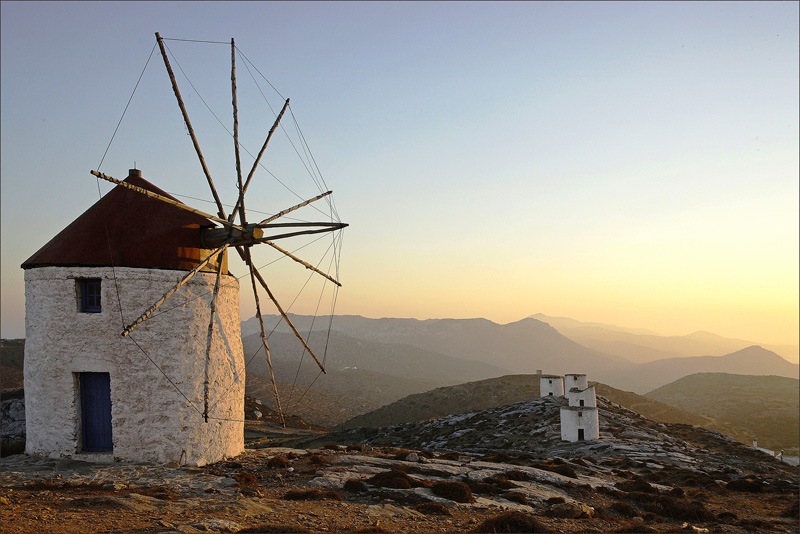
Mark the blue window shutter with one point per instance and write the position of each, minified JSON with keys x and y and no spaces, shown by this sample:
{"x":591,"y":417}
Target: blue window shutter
{"x":90,"y":295}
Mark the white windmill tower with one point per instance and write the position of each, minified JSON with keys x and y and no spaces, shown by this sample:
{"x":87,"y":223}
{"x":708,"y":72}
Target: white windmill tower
{"x":164,"y":386}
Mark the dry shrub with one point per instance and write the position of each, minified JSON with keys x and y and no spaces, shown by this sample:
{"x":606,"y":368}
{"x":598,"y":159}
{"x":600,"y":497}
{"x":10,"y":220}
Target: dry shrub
{"x":355,"y":485}
{"x":509,"y":522}
{"x":500,"y":481}
{"x":555,"y":500}
{"x":497,"y":458}
{"x":317,"y":459}
{"x":671,"y":507}
{"x":370,"y":528}
{"x":676,"y":492}
{"x":638,"y":484}
{"x":395,"y":479}
{"x":400,"y":454}
{"x":432,"y":508}
{"x":277,"y":462}
{"x":455,"y":491}
{"x":557,"y":461}
{"x":292,"y":456}
{"x":450,"y":456}
{"x":97,"y":503}
{"x":793,"y":511}
{"x":482,"y":488}
{"x":635,"y":528}
{"x":515,"y":474}
{"x":624,"y":509}
{"x":755,"y":524}
{"x":654,"y":477}
{"x":650,"y":517}
{"x":727,"y":517}
{"x":561,"y":469}
{"x":271,"y":527}
{"x":332,"y":447}
{"x":311,"y":495}
{"x":355,"y":447}
{"x":162,"y":492}
{"x":245,"y":479}
{"x":231,"y":465}
{"x":564,"y":470}
{"x":745,"y":485}
{"x":516,"y":496}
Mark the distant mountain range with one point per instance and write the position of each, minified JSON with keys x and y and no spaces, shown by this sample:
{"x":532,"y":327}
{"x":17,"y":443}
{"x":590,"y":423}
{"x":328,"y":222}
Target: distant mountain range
{"x":645,"y":377}
{"x":451,"y":351}
{"x":638,"y":345}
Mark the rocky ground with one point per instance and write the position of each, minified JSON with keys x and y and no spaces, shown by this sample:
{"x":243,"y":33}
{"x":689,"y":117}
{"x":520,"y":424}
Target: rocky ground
{"x":333,"y":489}
{"x":510,"y":473}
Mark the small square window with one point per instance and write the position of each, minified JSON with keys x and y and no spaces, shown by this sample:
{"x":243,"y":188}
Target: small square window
{"x":90,"y":295}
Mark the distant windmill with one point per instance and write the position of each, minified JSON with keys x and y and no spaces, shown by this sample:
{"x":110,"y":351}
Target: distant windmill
{"x":175,"y":392}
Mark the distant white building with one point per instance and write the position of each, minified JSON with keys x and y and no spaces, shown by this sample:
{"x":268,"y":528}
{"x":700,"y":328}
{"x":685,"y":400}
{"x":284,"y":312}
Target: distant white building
{"x":551,"y":385}
{"x":580,"y":420}
{"x":575,"y":380}
{"x":579,"y":423}
{"x":582,"y":397}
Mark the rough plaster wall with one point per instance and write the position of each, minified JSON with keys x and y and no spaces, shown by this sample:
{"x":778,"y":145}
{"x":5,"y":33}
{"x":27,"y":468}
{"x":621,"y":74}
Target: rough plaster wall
{"x":575,"y":381}
{"x":545,"y":387}
{"x":571,"y":422}
{"x":156,"y":390}
{"x":587,"y":395}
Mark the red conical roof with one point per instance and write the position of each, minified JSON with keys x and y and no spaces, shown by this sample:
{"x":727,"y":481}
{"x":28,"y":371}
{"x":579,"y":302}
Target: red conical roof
{"x":128,"y":229}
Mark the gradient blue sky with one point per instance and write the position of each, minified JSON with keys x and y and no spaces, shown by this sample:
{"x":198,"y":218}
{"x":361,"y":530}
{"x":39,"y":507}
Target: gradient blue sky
{"x":629,"y":163}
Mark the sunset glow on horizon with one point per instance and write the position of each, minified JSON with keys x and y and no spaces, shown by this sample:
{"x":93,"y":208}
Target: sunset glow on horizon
{"x":627,"y":163}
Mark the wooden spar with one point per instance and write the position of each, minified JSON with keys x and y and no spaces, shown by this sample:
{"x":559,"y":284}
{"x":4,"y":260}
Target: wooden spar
{"x":176,"y":287}
{"x":335,"y":226}
{"x":162,"y":198}
{"x":240,"y":200}
{"x":246,"y":257}
{"x":236,"y":135}
{"x":289,"y":210}
{"x":189,"y":126}
{"x":244,"y":253}
{"x":209,"y":339}
{"x":338,"y":226}
{"x":298,"y":260}
{"x":286,"y":317}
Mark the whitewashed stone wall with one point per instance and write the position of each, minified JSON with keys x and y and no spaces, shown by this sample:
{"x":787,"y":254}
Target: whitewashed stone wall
{"x":550,"y":385}
{"x":573,"y":418}
{"x":152,"y":419}
{"x":575,"y":380}
{"x":588,"y":396}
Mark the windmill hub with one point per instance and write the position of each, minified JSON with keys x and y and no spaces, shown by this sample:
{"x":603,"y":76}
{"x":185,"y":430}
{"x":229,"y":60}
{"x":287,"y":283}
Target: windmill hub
{"x":248,"y":235}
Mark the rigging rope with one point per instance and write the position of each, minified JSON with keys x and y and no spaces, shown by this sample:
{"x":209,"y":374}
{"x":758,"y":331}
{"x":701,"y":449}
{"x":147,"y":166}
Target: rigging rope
{"x":125,"y":110}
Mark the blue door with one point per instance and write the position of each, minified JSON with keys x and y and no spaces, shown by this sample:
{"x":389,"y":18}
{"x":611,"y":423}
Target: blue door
{"x":96,"y":412}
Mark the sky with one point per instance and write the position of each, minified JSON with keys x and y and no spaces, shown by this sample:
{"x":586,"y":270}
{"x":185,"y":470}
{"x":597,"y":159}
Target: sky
{"x":627,"y":163}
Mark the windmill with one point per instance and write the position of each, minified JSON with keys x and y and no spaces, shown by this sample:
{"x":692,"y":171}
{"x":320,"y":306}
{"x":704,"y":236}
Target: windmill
{"x":107,"y":255}
{"x":241,"y":236}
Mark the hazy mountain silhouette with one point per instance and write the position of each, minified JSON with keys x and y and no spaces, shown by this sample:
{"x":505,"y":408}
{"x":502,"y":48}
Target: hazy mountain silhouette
{"x":641,"y":346}
{"x":520,"y":347}
{"x":755,"y":360}
{"x":365,"y":374}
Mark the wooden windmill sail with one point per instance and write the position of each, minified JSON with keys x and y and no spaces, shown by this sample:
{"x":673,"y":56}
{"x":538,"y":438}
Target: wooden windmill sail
{"x":235,"y":231}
